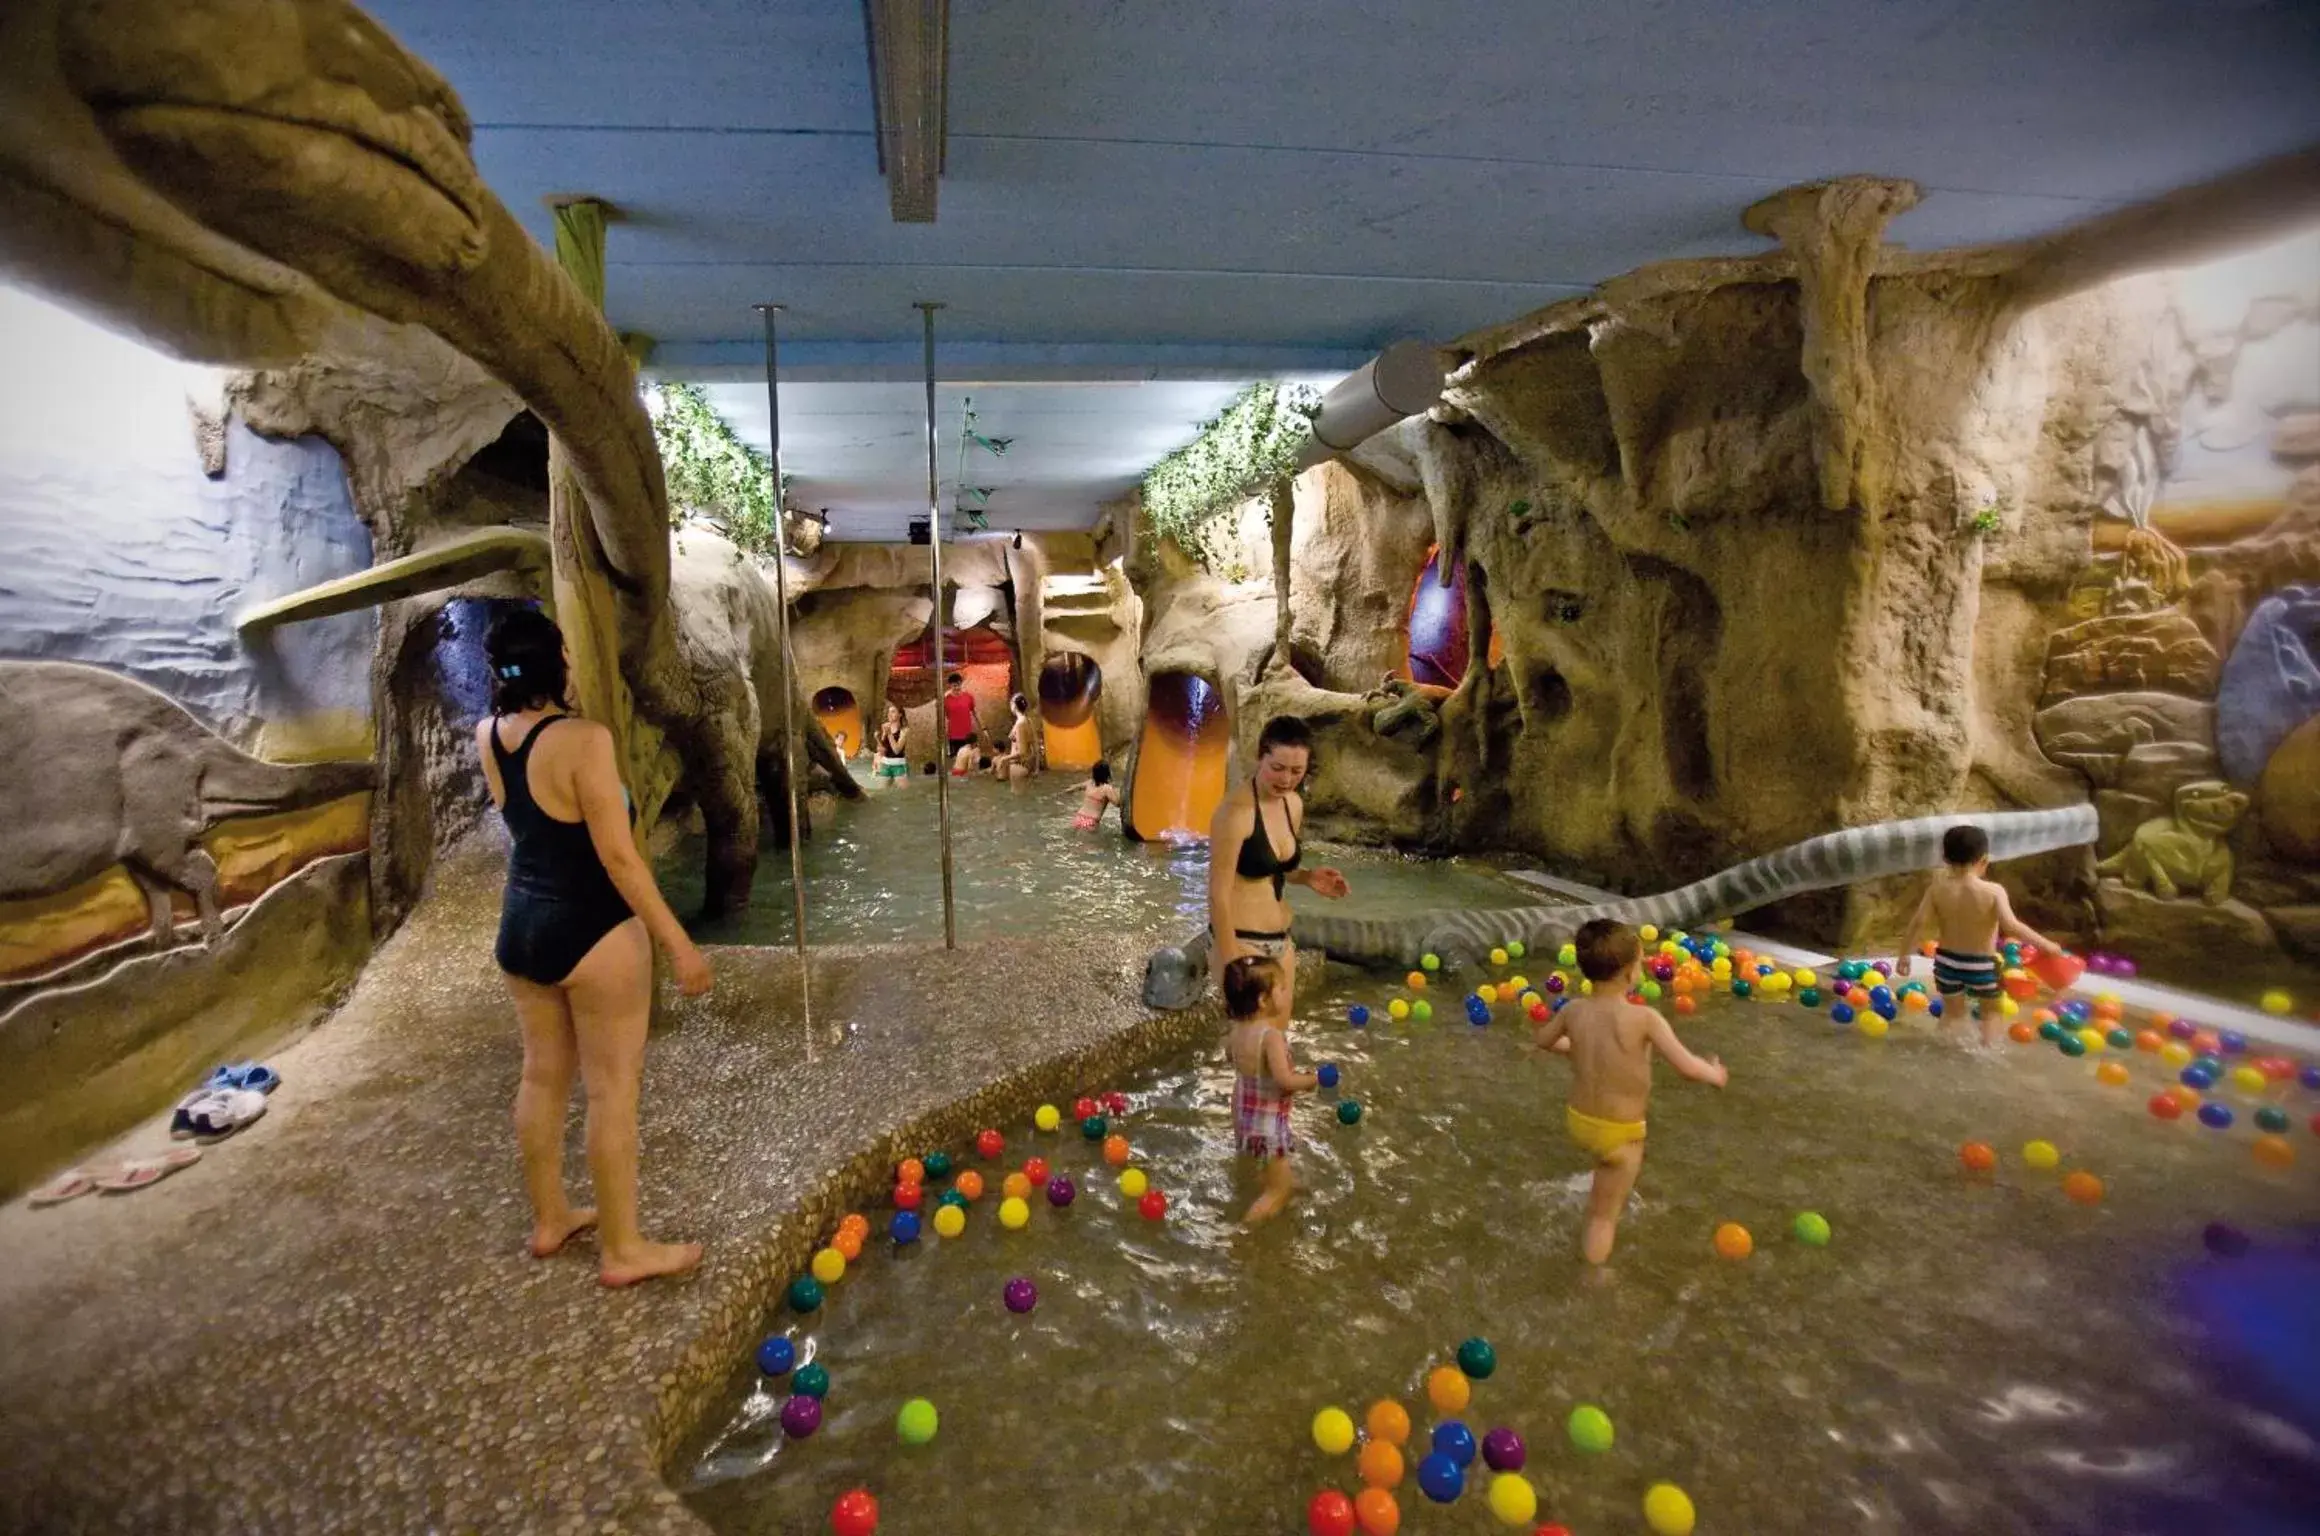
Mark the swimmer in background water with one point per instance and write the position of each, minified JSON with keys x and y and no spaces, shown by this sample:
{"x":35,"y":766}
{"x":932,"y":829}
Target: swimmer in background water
{"x":1018,"y":758}
{"x":1966,"y":911}
{"x":1256,"y":998}
{"x":890,"y":763}
{"x":1095,"y":794}
{"x":1610,"y":1041}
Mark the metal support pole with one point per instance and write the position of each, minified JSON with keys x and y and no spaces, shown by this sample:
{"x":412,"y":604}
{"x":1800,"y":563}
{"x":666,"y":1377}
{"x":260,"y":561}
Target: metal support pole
{"x":789,"y":725}
{"x":934,"y":543}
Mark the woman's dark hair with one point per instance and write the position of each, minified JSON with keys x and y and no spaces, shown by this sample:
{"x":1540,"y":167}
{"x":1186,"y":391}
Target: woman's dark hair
{"x":1284,"y":731}
{"x":1019,"y":704}
{"x":526,"y":653}
{"x":1248,"y":981}
{"x":1101,"y":773}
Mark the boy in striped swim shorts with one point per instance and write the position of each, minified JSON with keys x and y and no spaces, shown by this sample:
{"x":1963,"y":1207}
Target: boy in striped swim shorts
{"x":1966,"y":911}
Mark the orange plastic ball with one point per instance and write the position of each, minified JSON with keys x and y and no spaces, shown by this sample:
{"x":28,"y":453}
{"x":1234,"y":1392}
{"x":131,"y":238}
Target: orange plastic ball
{"x":2083,"y":1187}
{"x":1685,"y":1005}
{"x":1387,"y":1420}
{"x":1416,"y":981}
{"x":912,"y":1171}
{"x":2111,"y":1075}
{"x":1015,"y":1186}
{"x":849,"y":1245}
{"x":1115,"y":1150}
{"x":1733,"y":1241}
{"x":1380,"y":1464}
{"x":1978,"y":1156}
{"x":970,"y":1184}
{"x":1378,"y":1513}
{"x":854,"y":1221}
{"x":1913,"y":1002}
{"x":1447,"y":1390}
{"x":2148,"y":1040}
{"x":2021,"y":1033}
{"x":2274,"y":1151}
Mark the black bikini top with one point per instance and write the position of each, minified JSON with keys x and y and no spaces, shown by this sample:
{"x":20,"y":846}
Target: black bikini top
{"x":1257,"y":860}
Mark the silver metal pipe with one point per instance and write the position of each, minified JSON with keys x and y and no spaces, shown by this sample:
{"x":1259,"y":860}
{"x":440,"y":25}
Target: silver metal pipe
{"x":1398,"y":383}
{"x":789,"y":726}
{"x":934,"y":542}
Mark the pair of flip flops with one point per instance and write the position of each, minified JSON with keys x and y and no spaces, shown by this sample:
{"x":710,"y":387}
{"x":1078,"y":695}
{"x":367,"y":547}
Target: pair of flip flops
{"x":136,"y":1173}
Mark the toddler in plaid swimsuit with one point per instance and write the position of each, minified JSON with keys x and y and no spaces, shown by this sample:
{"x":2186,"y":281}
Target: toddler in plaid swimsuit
{"x":1256,"y":996}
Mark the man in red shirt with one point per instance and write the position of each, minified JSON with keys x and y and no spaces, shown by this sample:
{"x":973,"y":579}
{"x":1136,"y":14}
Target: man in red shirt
{"x":958,"y":715}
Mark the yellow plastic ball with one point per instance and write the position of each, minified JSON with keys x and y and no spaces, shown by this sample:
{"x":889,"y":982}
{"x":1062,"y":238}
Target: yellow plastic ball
{"x":949,"y":1220}
{"x":1586,"y":987}
{"x":1513,"y":1499}
{"x":1498,"y":957}
{"x":829,"y":1266}
{"x":1447,"y":1389}
{"x":1397,"y":1009}
{"x":2091,"y":1038}
{"x":1333,"y":1431}
{"x":2248,"y":1080}
{"x":1518,"y":983}
{"x":2007,"y":1007}
{"x":1567,"y":955}
{"x":1487,"y":992}
{"x":1806,"y":978}
{"x":1722,"y":966}
{"x":1014,"y":1213}
{"x":2175,"y":1053}
{"x":1778,"y":984}
{"x":2040,"y":1154}
{"x":1133,"y":1183}
{"x":2277,"y":1002}
{"x":1649,"y":933}
{"x":1871,"y":1024}
{"x":1047,"y":1117}
{"x":1531,"y":1000}
{"x":1668,"y":1510}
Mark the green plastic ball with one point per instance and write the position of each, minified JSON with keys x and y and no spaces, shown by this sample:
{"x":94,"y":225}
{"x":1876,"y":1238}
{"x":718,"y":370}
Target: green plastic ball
{"x":937,"y":1164}
{"x":1514,"y":949}
{"x":1742,"y":986}
{"x":2119,"y":1040}
{"x":1094,"y":1127}
{"x":811,"y":1380}
{"x":1429,"y":962}
{"x":1590,"y":1429}
{"x":1811,"y":1229}
{"x":1808,"y":997}
{"x":1421,"y":1010}
{"x":2071,"y":1045}
{"x":1477,"y":1359}
{"x":2050,"y":1030}
{"x":1349,"y":1111}
{"x":805,"y":1294}
{"x":1567,"y":955}
{"x":953,"y":1197}
{"x":917,"y":1422}
{"x":2272,"y":1118}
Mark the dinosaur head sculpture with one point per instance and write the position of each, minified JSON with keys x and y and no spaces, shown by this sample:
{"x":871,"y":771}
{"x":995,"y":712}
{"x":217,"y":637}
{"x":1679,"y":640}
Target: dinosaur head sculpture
{"x":2209,"y":807}
{"x":243,"y":109}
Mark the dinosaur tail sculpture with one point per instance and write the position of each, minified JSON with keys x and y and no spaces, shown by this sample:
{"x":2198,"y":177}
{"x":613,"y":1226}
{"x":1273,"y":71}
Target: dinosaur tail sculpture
{"x":1177,"y":976}
{"x":236,"y":785}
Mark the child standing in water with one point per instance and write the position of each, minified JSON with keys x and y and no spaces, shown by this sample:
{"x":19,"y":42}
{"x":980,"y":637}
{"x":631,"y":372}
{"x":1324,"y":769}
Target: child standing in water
{"x":1095,"y":794}
{"x":1611,"y":1040}
{"x":1256,"y":997}
{"x":1966,"y":911}
{"x":891,"y":765}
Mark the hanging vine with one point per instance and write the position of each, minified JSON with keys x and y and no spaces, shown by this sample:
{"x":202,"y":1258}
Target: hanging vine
{"x":714,"y":477}
{"x":1253,"y":442}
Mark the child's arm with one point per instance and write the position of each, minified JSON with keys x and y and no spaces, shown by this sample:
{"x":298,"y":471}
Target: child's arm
{"x":1914,"y":934}
{"x":1700,"y":1069}
{"x":2011,"y":925}
{"x":1277,"y":1063}
{"x":1550,"y":1034}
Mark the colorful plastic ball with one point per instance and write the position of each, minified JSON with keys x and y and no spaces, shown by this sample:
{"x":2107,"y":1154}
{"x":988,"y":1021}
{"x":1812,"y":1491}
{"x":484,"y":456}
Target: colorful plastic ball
{"x":1326,"y":1074}
{"x":2277,"y":1002}
{"x":1447,"y":1389}
{"x":2274,"y":1152}
{"x":2119,"y":1040}
{"x":1733,"y":1242}
{"x":1440,"y":1478}
{"x":1349,"y":1111}
{"x":2149,"y":1040}
{"x":1095,"y":1128}
{"x":1515,"y":949}
{"x":2224,"y":1240}
{"x":904,"y":1229}
{"x":1380,"y":1463}
{"x":1333,"y":1433}
{"x":2175,"y":1054}
{"x":1742,"y":987}
{"x":2052,"y":1029}
{"x":776,"y":1355}
{"x":812,"y":1380}
{"x":1686,"y":1007}
{"x":1936,"y":1008}
{"x":849,"y":1245}
{"x":2182,"y":1029}
{"x":1378,"y":1511}
{"x":2216,"y":1117}
{"x":1422,"y":1011}
{"x":1453,"y":1439}
{"x":1429,"y":962}
{"x":2111,"y":1075}
{"x":917,"y":1422}
{"x":1084,"y":1106}
{"x":2082,"y":1187}
{"x":2272,"y":1118}
{"x":1415,"y":981}
{"x":1329,"y":1514}
{"x":989,"y":1144}
{"x":938,"y":1165}
{"x":1590,"y":1429}
{"x":1153,"y":1206}
{"x":855,"y":1513}
{"x":2310,"y":1076}
{"x":911,"y":1171}
{"x":1477,"y":1359}
{"x":949,"y":1221}
{"x":1387,"y":1420}
{"x":2248,"y":1080}
{"x":2164,"y":1107}
{"x":1842,"y":1013}
{"x":2040,"y":1154}
{"x":1512,"y":1499}
{"x":1047,"y":1117}
{"x":1811,"y":1229}
{"x":1016,"y":1186}
{"x":1357,"y":1016}
{"x":1872,"y":1025}
{"x":1035,"y":1169}
{"x":954,"y":1196}
{"x":1567,"y":955}
{"x":805,"y":1294}
{"x":1557,"y":982}
{"x":1133,"y":1183}
{"x":1978,"y":1157}
{"x":1020,"y":1295}
{"x":1476,"y":1014}
{"x":2233,"y":1042}
{"x":829,"y":1266}
{"x":1398,"y":1009}
{"x":1485,"y":994}
{"x":2021,"y":1033}
{"x":2196,"y":1076}
{"x":1115,"y":1104}
{"x":1014,"y":1213}
{"x":801,"y":1416}
{"x":1061,"y":1191}
{"x":1668,"y":1510}
{"x":908,"y":1197}
{"x":1651,"y":991}
{"x":1503,"y":1450}
{"x":1808,"y":997}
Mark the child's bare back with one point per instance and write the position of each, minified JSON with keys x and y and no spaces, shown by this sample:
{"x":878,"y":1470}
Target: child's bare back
{"x":1610,"y":1056}
{"x":1965,"y":909}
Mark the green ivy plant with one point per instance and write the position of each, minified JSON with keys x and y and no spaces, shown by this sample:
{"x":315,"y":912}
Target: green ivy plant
{"x":714,"y":477}
{"x":1254,"y":441}
{"x":1987,"y":522}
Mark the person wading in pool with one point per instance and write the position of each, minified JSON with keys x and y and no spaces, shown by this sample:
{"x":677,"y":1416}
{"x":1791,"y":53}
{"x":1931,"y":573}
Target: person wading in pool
{"x":1253,"y":854}
{"x":959,"y":725}
{"x":890,"y":765}
{"x":573,"y":942}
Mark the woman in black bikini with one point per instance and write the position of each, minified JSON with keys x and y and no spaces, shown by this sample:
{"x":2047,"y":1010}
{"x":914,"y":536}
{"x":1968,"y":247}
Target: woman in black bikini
{"x":1253,"y":854}
{"x":573,"y":943}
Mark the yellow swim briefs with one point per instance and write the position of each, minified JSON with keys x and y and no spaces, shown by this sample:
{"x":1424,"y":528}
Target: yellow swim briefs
{"x":1599,"y":1136}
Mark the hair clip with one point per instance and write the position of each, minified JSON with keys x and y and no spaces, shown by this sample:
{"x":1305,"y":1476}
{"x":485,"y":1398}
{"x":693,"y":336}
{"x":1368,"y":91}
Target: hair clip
{"x":511,"y":670}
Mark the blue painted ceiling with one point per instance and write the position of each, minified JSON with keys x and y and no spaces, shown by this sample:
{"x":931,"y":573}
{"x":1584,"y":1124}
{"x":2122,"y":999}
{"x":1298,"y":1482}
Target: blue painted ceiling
{"x":1221,"y":190}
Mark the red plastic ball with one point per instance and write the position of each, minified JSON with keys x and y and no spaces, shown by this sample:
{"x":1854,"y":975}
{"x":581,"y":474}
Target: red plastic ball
{"x":1035,"y":1169}
{"x":855,"y":1513}
{"x":2165,"y":1106}
{"x":1330,"y":1514}
{"x":1082,"y":1107}
{"x":1115,"y":1103}
{"x":989,"y":1144}
{"x":1540,"y":1013}
{"x":1153,"y":1206}
{"x":908,"y":1196}
{"x":1978,"y":1156}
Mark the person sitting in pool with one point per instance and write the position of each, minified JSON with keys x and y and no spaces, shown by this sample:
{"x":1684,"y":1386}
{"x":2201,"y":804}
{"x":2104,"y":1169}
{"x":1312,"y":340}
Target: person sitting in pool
{"x":1967,"y":911}
{"x":890,"y":764}
{"x":1256,"y":999}
{"x":1095,"y":794}
{"x":1248,"y":868}
{"x":1017,"y":759}
{"x":968,"y":756}
{"x":1611,"y":1041}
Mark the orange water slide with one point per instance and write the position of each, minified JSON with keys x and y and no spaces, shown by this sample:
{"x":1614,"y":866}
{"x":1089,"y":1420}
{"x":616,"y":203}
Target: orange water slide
{"x":1181,"y":757}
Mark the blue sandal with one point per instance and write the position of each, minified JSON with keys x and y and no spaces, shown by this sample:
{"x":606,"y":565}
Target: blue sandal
{"x":246,"y":1074}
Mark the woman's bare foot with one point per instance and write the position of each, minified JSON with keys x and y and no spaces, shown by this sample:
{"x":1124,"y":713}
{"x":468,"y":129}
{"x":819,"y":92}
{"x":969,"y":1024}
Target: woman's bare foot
{"x":649,"y":1261}
{"x":549,"y":1237}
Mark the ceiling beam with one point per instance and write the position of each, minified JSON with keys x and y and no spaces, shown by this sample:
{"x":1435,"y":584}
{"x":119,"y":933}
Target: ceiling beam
{"x":910,"y":44}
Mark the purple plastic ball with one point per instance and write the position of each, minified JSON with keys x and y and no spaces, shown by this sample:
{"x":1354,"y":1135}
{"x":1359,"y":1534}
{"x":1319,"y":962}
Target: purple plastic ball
{"x":2122,"y":966}
{"x":1554,"y":983}
{"x":2310,"y":1077}
{"x":2224,"y":1240}
{"x":1503,"y":1449}
{"x":1061,"y":1191}
{"x":2182,"y":1029}
{"x":1021,"y":1295}
{"x":801,"y":1416}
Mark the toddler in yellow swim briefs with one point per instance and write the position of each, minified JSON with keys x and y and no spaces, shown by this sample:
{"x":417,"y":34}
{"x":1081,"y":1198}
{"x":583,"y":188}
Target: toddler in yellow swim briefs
{"x":1610,"y":1039}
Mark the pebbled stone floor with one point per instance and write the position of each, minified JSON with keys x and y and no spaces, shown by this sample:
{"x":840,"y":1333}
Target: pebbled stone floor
{"x":330,"y":1323}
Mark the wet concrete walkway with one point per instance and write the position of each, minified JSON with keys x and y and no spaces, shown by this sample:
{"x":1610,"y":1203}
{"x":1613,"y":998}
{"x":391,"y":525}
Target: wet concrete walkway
{"x":330,"y":1323}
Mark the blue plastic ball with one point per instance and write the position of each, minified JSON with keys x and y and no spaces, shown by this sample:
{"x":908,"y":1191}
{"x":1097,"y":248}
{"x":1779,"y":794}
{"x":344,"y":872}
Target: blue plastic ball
{"x":2232,"y":1041}
{"x":905,"y":1228}
{"x":2196,"y":1076}
{"x":1454,"y":1440}
{"x":1880,"y":998}
{"x":1327,"y":1073}
{"x":1441,"y":1479}
{"x":2215,"y":1116}
{"x":1842,"y":1013}
{"x":1358,"y":1016}
{"x":1477,"y":1015}
{"x":2310,"y":1076}
{"x":1934,"y":1008}
{"x":776,"y":1355}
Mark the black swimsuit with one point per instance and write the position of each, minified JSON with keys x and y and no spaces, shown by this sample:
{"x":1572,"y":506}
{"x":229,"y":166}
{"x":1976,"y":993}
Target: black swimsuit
{"x":1257,"y":861}
{"x":559,"y":900}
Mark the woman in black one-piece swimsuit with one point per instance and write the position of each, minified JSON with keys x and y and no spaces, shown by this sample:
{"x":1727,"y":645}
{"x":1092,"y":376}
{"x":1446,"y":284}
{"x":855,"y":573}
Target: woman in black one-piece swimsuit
{"x":575,"y":941}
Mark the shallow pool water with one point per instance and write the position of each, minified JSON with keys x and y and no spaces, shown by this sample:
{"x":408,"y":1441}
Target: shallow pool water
{"x":1968,"y":1354}
{"x":873,"y":873}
